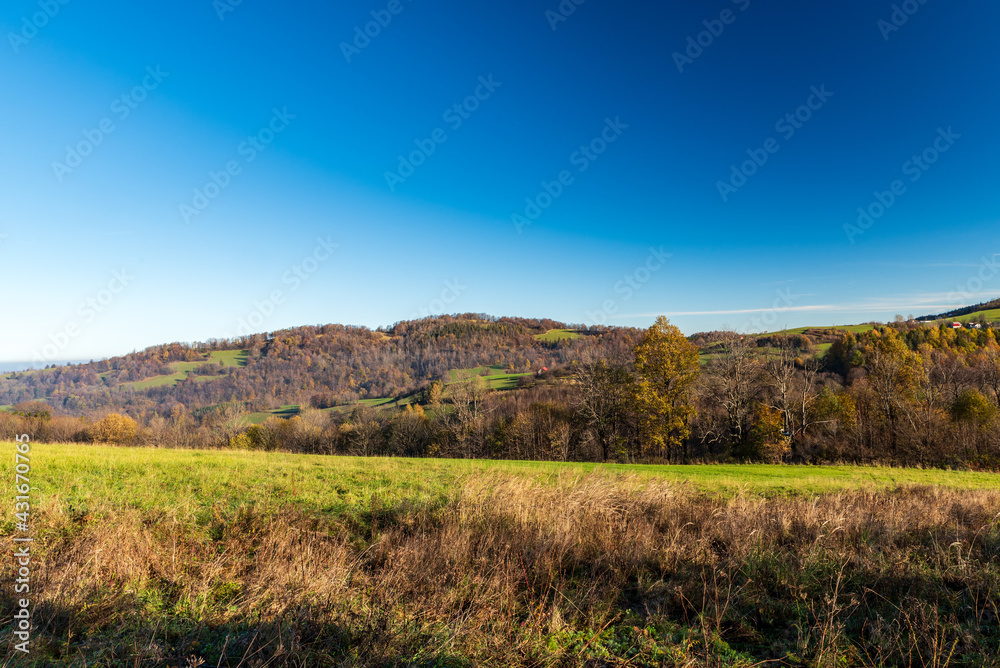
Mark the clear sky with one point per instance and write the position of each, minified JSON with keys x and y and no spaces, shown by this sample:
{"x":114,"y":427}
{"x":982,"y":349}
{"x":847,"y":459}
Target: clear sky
{"x":189,"y":170}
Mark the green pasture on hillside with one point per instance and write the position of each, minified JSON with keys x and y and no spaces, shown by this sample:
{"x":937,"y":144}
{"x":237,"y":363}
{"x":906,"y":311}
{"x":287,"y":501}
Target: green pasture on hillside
{"x":554,"y":335}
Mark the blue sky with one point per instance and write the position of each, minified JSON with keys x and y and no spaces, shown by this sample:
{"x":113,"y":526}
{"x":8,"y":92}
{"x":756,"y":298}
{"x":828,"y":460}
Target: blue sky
{"x":198,"y":169}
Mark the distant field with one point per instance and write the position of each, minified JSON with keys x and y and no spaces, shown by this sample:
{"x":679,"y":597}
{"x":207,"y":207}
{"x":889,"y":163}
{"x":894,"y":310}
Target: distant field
{"x":375,"y":403}
{"x":992,"y":315}
{"x":230,"y":357}
{"x":558,"y":335}
{"x":822,"y":349}
{"x":157,"y":381}
{"x":286,"y":411}
{"x":496,"y":377}
{"x":854,"y":329}
{"x":506,"y":381}
{"x":458,"y":375}
{"x":181,"y":370}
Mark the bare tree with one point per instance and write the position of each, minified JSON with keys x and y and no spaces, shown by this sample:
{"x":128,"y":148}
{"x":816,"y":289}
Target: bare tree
{"x":603,"y":401}
{"x":738,"y":382}
{"x":468,"y":397}
{"x":779,"y":368}
{"x":988,"y":368}
{"x":227,"y":421}
{"x":365,"y":434}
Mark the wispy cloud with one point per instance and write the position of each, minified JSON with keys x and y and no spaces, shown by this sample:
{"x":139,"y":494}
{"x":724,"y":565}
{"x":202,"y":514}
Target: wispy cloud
{"x":926,"y":265}
{"x":930,"y":301}
{"x":814,"y":307}
{"x":934,"y":265}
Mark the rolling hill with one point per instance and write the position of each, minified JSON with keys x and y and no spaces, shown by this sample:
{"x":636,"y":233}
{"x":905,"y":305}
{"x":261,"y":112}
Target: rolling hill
{"x":327,"y":367}
{"x":335,"y":367}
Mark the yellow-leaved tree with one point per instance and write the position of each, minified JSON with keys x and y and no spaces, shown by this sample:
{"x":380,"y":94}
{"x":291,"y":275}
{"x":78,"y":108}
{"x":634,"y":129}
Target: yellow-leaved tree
{"x":667,"y":368}
{"x":114,"y":428}
{"x":435,"y":394}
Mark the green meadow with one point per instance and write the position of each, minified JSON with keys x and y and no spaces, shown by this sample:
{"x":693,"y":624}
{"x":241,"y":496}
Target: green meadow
{"x":196,"y":479}
{"x":554,"y":335}
{"x":307,"y":560}
{"x":496,"y":377}
{"x":181,"y":370}
{"x":992,"y":315}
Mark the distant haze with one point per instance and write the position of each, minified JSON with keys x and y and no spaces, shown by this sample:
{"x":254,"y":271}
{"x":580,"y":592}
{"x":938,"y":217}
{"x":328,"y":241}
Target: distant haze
{"x":7,"y":367}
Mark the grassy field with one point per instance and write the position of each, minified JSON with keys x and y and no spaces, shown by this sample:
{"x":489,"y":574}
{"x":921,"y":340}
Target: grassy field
{"x":158,"y":381}
{"x":459,"y":375}
{"x":154,"y":477}
{"x":181,"y":370}
{"x":854,"y":329}
{"x":496,"y":377}
{"x":992,"y":315}
{"x":503,"y":381}
{"x":375,"y":403}
{"x":554,"y":335}
{"x":286,"y":411}
{"x":161,"y":557}
{"x":230,"y":357}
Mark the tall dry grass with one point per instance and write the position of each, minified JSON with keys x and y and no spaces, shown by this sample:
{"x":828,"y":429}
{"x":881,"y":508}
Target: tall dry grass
{"x":595,"y":571}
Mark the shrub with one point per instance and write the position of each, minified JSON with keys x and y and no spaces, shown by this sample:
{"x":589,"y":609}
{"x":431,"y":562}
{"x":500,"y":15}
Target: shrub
{"x":241,"y":442}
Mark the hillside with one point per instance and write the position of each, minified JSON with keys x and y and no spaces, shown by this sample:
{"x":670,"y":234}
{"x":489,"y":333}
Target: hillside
{"x":990,"y":309}
{"x":475,"y":386}
{"x":326,"y":366}
{"x":335,"y":367}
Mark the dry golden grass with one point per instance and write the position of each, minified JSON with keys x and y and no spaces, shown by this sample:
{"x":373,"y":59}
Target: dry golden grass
{"x":597,"y":571}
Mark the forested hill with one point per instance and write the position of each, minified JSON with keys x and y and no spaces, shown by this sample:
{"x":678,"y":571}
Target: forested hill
{"x":324,"y":365}
{"x":965,"y":310}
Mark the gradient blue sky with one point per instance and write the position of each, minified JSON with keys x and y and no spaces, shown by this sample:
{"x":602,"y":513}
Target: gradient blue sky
{"x":444,"y":240}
